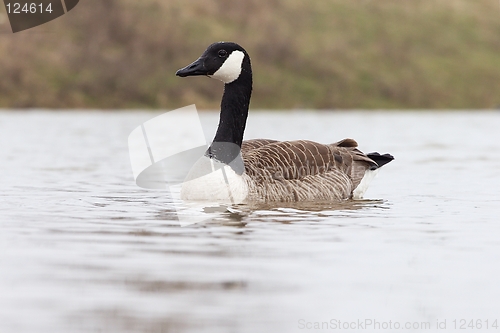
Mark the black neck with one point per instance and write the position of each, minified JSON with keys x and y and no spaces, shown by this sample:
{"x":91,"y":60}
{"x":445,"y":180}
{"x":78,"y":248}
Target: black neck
{"x":233,"y":117}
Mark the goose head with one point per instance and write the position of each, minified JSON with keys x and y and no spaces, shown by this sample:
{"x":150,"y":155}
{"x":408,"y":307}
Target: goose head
{"x":229,"y":63}
{"x":224,"y":61}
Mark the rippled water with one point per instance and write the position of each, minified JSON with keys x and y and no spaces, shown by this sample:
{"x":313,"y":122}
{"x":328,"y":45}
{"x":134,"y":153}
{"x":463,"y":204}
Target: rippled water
{"x":83,"y":249}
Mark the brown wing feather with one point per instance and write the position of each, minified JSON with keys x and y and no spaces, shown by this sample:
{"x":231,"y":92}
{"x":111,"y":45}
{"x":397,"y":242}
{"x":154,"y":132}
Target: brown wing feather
{"x":303,"y":170}
{"x":254,"y":144}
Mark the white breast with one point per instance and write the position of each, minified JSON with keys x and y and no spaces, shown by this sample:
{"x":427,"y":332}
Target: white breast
{"x":212,"y":181}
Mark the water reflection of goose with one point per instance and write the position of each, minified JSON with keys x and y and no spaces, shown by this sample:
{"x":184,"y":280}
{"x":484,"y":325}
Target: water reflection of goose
{"x":263,"y":170}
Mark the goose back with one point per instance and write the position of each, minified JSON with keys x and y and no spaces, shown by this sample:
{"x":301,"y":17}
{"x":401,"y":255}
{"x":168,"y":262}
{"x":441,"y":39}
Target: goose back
{"x":303,"y":170}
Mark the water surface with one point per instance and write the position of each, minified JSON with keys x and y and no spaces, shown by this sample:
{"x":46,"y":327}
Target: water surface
{"x":83,"y":249}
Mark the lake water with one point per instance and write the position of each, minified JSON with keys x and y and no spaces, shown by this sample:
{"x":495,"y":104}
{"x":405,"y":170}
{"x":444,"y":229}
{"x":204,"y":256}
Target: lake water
{"x":83,"y":249}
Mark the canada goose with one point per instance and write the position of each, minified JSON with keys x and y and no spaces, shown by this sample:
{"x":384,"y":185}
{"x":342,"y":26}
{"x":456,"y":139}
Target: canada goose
{"x":268,"y":170}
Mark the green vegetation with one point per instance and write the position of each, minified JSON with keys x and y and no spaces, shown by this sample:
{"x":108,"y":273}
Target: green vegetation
{"x":305,"y":54}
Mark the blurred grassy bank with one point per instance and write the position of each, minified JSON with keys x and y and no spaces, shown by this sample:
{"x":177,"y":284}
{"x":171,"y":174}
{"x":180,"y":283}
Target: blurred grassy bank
{"x":305,"y":54}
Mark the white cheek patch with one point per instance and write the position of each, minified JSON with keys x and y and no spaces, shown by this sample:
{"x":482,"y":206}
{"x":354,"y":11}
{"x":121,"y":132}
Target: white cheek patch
{"x":231,"y":68}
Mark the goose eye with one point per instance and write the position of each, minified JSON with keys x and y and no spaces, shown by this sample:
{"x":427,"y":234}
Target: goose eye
{"x":222,"y":53}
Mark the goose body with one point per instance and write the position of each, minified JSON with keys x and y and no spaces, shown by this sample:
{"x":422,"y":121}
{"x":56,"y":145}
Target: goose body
{"x":264,"y":170}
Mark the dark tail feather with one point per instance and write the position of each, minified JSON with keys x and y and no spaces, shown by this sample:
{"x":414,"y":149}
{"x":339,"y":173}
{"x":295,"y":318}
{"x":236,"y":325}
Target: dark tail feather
{"x":381,"y":160}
